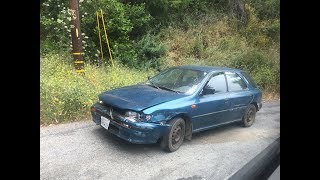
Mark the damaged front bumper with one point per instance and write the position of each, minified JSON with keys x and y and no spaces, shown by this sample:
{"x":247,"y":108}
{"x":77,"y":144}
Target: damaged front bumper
{"x":134,"y":132}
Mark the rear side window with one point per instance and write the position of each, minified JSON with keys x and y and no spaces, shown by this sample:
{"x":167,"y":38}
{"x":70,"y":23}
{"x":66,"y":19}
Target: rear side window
{"x":249,"y":79}
{"x":235,"y":83}
{"x":218,"y":82}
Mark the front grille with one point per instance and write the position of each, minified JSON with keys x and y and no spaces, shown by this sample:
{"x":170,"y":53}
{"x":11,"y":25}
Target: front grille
{"x":113,"y":129}
{"x":105,"y":110}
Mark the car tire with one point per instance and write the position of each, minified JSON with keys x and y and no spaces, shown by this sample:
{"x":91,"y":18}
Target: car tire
{"x":174,"y":137}
{"x":249,"y":116}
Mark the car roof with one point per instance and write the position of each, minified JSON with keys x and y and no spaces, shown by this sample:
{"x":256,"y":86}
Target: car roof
{"x":209,"y":68}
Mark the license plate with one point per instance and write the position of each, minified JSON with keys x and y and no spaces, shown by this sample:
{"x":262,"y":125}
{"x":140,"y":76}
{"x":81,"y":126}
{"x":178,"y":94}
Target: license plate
{"x":105,"y":122}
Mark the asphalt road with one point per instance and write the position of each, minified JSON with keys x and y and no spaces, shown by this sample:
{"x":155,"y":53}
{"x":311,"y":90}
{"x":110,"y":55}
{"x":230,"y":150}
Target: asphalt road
{"x":83,"y":150}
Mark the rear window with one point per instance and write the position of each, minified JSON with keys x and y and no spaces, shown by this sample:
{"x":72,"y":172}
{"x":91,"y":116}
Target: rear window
{"x":249,"y":79}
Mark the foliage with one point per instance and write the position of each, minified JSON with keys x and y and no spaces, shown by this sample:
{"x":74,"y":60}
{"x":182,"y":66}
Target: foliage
{"x":149,"y":52}
{"x":264,"y":71}
{"x":124,"y":23}
{"x":66,"y":95}
{"x":166,"y":12}
{"x":266,"y":9}
{"x":254,"y":48}
{"x":55,"y":25}
{"x":139,"y":17}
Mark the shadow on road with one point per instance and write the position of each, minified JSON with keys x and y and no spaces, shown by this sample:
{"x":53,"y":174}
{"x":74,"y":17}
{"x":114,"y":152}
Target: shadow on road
{"x":222,"y":130}
{"x":113,"y":141}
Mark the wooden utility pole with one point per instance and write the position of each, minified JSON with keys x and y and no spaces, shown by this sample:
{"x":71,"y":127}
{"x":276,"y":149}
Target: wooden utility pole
{"x":76,"y":36}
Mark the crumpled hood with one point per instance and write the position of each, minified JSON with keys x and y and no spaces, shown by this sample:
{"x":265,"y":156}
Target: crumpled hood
{"x":137,"y":97}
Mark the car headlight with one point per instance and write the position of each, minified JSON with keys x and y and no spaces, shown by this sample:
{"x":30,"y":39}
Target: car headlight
{"x":134,"y":116}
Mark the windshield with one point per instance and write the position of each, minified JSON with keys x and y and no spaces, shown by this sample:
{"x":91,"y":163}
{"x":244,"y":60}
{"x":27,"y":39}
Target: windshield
{"x":178,"y":80}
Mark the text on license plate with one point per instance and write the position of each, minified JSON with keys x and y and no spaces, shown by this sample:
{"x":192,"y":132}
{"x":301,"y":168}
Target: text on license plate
{"x":105,"y":122}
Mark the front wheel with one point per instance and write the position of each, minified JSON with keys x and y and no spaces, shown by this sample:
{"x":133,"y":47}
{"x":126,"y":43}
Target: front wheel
{"x":175,"y":136}
{"x":249,"y":116}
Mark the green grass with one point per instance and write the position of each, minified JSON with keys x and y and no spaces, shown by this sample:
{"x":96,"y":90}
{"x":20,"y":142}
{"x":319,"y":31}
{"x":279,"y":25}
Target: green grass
{"x":218,"y":43}
{"x":67,"y":96}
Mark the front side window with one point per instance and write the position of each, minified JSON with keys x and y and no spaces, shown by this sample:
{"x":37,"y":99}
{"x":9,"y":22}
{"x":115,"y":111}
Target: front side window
{"x":235,"y":83}
{"x":218,"y":83}
{"x":178,"y":79}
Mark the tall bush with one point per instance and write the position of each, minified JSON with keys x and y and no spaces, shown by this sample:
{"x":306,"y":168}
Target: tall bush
{"x":66,"y":96}
{"x":125,"y":23}
{"x":263,"y":70}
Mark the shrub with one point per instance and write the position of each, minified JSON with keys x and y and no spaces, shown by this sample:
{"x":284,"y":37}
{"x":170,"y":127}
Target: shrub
{"x":273,"y":30}
{"x":198,"y":47}
{"x":266,"y":9}
{"x":149,"y":52}
{"x":124,"y":22}
{"x":66,"y":95}
{"x":263,"y":70}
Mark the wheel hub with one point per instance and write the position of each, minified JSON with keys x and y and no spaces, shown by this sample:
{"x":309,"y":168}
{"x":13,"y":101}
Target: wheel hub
{"x":176,"y":135}
{"x":250,"y":116}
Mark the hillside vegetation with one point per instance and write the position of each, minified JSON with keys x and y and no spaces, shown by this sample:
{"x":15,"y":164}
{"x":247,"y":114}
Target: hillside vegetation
{"x":149,"y":35}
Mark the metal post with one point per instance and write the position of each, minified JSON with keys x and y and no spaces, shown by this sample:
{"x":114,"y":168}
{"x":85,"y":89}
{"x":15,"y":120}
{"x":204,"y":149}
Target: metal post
{"x":76,"y":36}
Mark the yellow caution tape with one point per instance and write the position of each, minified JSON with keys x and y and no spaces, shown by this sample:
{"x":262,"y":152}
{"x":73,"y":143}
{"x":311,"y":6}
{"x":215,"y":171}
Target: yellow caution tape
{"x":77,"y":53}
{"x":78,"y":62}
{"x":80,"y":70}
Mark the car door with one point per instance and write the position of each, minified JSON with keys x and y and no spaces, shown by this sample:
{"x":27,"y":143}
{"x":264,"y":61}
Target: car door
{"x":239,"y":96}
{"x":211,"y":108}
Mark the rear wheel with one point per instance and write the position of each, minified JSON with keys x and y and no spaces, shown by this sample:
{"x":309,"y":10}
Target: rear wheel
{"x":249,"y":116}
{"x":175,"y":136}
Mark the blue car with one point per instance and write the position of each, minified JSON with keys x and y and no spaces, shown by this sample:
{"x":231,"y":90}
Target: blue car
{"x":176,"y":103}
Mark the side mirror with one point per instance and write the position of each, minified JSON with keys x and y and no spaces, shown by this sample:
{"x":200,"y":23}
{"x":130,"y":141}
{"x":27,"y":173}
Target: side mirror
{"x":208,"y":90}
